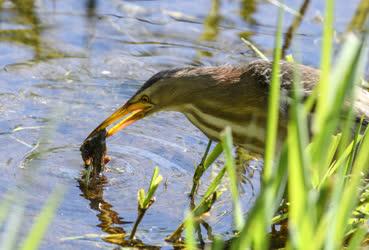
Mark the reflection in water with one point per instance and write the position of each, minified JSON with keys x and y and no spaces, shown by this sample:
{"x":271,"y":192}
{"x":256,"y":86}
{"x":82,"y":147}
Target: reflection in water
{"x":91,"y":20}
{"x":360,"y":17}
{"x":211,"y":22}
{"x":211,"y":30}
{"x":294,"y":26}
{"x":23,"y":13}
{"x":109,"y":219}
{"x":91,"y":8}
{"x":107,"y":216}
{"x":247,"y":9}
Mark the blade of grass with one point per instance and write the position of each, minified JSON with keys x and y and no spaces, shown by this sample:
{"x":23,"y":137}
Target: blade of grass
{"x":255,"y":49}
{"x":14,"y":222}
{"x":325,"y":65}
{"x":342,"y":208}
{"x":206,"y":161}
{"x":226,"y":138}
{"x":213,"y":155}
{"x":256,"y":215}
{"x":265,"y":215}
{"x":300,"y":210}
{"x":154,"y":183}
{"x":204,"y":205}
{"x":214,"y":184}
{"x":273,"y":103}
{"x":347,"y":154}
{"x":146,"y":200}
{"x":341,"y":86}
{"x":4,"y":206}
{"x":190,"y":241}
{"x":42,"y":221}
{"x":217,"y":244}
{"x":357,"y":238}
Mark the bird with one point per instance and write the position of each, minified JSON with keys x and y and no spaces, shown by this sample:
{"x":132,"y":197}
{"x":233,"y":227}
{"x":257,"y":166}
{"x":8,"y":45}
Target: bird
{"x":214,"y":97}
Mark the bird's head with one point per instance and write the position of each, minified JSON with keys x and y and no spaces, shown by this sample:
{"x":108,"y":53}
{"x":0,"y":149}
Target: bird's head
{"x":166,"y":90}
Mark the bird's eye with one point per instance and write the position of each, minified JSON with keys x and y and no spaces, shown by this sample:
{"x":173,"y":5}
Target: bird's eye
{"x":145,"y":99}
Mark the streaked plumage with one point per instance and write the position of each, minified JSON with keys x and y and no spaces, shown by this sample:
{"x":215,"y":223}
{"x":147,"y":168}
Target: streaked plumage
{"x":215,"y":97}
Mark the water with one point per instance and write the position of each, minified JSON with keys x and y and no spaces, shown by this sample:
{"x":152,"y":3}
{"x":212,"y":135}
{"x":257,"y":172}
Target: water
{"x":66,"y":65}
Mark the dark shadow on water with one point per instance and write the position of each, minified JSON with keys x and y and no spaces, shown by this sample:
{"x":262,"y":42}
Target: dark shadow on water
{"x":288,"y":37}
{"x":27,"y":28}
{"x":110,"y":220}
{"x":211,"y":22}
{"x":247,"y":10}
{"x":23,"y":13}
{"x":91,"y":21}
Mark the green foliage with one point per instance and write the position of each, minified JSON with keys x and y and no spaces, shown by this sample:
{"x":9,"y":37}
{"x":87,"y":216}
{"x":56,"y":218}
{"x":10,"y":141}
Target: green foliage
{"x":211,"y":195}
{"x":318,"y":177}
{"x":190,"y":232}
{"x":273,"y":103}
{"x":145,"y":200}
{"x":38,"y":230}
{"x":229,"y":162}
{"x":15,"y":217}
{"x":255,"y":49}
{"x":213,"y":155}
{"x":322,"y":194}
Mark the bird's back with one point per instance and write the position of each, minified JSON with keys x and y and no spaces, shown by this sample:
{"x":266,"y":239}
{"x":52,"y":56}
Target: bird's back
{"x":308,"y":77}
{"x":261,"y":73}
{"x":242,"y":100}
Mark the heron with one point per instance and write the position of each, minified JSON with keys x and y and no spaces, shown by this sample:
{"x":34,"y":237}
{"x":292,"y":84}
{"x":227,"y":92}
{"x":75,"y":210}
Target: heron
{"x":214,"y":97}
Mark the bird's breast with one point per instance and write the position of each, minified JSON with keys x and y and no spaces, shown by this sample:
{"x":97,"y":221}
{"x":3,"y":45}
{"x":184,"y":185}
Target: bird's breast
{"x":248,"y":125}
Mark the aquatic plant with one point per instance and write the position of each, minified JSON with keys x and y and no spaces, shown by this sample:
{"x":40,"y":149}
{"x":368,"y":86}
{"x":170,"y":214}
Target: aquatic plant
{"x":315,"y":190}
{"x":146,"y":200}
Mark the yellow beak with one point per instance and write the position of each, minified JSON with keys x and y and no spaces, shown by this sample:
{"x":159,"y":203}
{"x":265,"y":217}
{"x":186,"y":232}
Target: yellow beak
{"x":130,"y":113}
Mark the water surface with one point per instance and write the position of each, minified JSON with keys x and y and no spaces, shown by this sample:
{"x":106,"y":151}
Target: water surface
{"x":66,"y":65}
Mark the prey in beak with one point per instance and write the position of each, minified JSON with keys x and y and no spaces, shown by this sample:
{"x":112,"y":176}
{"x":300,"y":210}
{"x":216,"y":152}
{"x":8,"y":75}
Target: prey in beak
{"x":129,"y":113}
{"x":94,"y":149}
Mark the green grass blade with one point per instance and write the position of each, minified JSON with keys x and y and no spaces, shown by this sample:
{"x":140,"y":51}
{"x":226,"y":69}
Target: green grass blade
{"x":325,"y":65}
{"x":153,"y":177}
{"x":154,"y":184}
{"x":344,"y":156}
{"x":218,"y":149}
{"x":273,"y":103}
{"x":345,"y":203}
{"x":204,"y":205}
{"x":218,"y":244}
{"x":255,"y":49}
{"x":265,"y":215}
{"x":141,"y":198}
{"x":9,"y":237}
{"x":269,"y":199}
{"x":190,"y":242}
{"x":4,"y":207}
{"x":300,"y":227}
{"x":226,"y":138}
{"x":357,"y":238}
{"x":341,"y":86}
{"x":42,"y":221}
{"x":214,"y":184}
